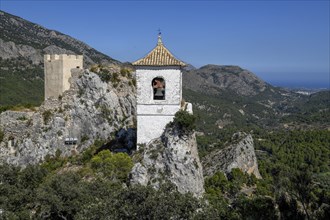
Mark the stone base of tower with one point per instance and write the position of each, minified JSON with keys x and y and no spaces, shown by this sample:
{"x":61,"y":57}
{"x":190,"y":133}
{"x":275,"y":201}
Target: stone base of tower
{"x":150,"y":127}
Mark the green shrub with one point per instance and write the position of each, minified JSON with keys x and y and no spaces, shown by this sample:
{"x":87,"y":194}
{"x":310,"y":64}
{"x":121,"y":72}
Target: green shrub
{"x":88,"y":153}
{"x":112,"y":166}
{"x":124,"y":72}
{"x":115,"y":79}
{"x":84,"y":138}
{"x":46,"y":116}
{"x":185,"y":120}
{"x":105,"y":75}
{"x":52,"y":163}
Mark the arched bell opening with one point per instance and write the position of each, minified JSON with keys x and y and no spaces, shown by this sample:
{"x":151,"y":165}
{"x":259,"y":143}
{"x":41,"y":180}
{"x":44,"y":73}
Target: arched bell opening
{"x":158,"y":86}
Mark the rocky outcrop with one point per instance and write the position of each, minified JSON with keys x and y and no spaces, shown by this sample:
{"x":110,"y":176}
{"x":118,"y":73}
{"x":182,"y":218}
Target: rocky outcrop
{"x":90,"y":110}
{"x":173,"y":157}
{"x":240,"y":155}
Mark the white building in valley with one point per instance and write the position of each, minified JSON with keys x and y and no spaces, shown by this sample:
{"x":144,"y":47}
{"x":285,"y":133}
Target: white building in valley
{"x":159,"y":91}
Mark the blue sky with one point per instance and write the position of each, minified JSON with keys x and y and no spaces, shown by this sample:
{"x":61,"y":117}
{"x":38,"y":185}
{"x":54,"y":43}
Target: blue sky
{"x":283,"y":42}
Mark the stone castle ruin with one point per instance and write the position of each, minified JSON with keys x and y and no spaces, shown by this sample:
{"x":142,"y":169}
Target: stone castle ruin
{"x":57,"y":69}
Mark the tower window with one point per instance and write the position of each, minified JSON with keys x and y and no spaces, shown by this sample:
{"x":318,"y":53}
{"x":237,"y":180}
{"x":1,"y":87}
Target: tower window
{"x":158,"y":86}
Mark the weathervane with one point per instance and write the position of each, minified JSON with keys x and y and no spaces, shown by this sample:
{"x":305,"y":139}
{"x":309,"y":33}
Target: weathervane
{"x":159,"y":36}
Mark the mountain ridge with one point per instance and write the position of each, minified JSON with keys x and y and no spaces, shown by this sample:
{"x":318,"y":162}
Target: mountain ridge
{"x":217,"y":78}
{"x":33,"y":40}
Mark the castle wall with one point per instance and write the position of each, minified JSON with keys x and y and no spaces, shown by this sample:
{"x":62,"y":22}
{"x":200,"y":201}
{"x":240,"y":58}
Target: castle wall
{"x":57,"y":69}
{"x":69,"y":63}
{"x":53,"y":77}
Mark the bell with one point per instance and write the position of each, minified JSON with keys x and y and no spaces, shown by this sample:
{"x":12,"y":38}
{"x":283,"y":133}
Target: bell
{"x":159,"y":92}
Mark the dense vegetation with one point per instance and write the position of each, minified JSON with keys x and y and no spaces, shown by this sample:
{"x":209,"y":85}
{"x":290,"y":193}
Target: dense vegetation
{"x":220,"y":116}
{"x":88,"y":186}
{"x":295,"y":185}
{"x":293,"y":157}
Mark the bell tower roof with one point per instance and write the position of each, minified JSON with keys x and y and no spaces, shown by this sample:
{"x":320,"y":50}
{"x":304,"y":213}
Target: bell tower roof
{"x":159,"y":56}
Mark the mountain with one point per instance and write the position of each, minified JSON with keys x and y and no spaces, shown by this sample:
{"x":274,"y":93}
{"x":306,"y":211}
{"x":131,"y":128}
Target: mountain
{"x":228,"y":99}
{"x":215,"y":79}
{"x":22,"y":46}
{"x":20,"y":38}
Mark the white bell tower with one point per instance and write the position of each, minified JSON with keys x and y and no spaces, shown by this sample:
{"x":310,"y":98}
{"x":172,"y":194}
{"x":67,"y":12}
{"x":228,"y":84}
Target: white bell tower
{"x":159,"y":91}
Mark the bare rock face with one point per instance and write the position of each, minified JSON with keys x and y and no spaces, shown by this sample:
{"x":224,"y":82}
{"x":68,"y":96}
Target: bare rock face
{"x":238,"y":155}
{"x":90,"y":110}
{"x":173,"y":157}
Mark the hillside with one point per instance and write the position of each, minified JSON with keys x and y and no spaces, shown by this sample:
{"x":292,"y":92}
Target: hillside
{"x":229,"y":98}
{"x":22,"y":46}
{"x":21,"y":38}
{"x":216,"y":79}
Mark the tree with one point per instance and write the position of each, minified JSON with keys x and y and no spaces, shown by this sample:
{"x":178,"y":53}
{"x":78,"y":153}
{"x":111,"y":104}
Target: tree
{"x":112,"y":166}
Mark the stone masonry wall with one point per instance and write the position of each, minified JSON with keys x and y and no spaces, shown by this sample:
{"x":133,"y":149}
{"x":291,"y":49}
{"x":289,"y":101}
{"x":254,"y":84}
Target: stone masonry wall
{"x":58,"y":72}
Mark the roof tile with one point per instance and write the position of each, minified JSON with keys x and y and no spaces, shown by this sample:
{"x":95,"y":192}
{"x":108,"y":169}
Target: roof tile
{"x":159,"y":56}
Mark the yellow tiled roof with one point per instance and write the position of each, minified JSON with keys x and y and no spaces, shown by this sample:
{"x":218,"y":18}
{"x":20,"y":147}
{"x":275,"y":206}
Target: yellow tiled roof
{"x":159,"y":56}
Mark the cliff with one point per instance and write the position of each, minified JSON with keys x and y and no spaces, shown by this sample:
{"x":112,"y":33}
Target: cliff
{"x":90,"y":110}
{"x":240,"y":154}
{"x":173,"y":157}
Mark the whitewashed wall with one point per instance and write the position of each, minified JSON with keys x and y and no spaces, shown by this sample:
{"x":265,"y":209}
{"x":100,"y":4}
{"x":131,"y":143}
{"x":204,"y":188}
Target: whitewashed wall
{"x":172,"y":77}
{"x":150,"y":127}
{"x":154,"y":115}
